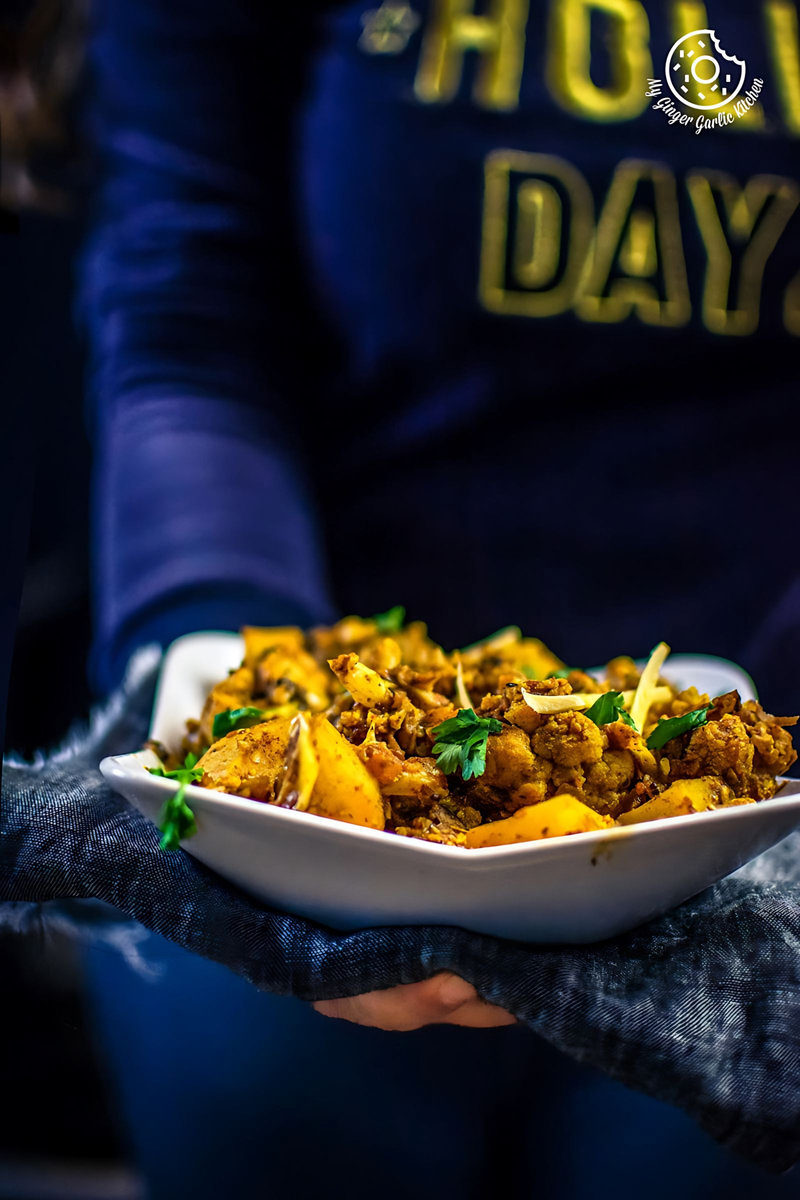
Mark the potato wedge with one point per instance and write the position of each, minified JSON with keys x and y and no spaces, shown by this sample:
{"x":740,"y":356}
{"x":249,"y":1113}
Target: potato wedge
{"x":302,"y":767}
{"x":283,"y":673}
{"x":258,"y":639}
{"x":235,"y":691}
{"x":344,"y":788}
{"x":248,"y":762}
{"x":552,"y":818}
{"x":681,"y":798}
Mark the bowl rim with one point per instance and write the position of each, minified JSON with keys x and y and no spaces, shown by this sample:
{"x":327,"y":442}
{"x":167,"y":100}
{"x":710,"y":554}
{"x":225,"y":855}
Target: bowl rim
{"x":120,"y":766}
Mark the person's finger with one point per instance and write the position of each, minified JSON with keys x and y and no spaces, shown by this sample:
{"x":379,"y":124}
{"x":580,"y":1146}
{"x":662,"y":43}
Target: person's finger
{"x":404,"y":1007}
{"x":477,"y":1014}
{"x":445,"y":998}
{"x":472,"y":1011}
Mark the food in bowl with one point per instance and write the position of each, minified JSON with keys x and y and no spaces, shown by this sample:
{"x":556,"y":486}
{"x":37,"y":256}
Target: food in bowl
{"x":371,"y":722}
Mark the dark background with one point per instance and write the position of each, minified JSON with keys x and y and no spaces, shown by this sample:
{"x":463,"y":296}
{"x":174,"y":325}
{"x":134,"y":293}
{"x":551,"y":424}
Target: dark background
{"x":43,"y":385}
{"x":59,"y":1133}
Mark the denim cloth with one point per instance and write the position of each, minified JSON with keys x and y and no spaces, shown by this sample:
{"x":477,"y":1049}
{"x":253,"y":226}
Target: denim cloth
{"x":700,"y":1008}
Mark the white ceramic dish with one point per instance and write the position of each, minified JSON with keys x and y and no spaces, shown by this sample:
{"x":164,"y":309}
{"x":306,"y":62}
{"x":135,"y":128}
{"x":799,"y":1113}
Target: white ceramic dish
{"x":571,"y":889}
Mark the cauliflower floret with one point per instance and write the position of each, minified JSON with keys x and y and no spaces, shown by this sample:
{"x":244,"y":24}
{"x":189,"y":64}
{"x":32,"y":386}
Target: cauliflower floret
{"x":509,"y":760}
{"x":720,"y":748}
{"x":622,"y":674}
{"x":772,"y":744}
{"x":608,"y":780}
{"x":624,"y":737}
{"x":569,"y":739}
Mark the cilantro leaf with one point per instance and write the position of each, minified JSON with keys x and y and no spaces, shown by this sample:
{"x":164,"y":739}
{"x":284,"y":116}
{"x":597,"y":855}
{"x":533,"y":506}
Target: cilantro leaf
{"x":608,"y":708}
{"x":188,"y":772}
{"x":448,"y":757}
{"x":176,"y":819}
{"x":238,"y":718}
{"x":390,"y":621}
{"x":460,"y":743}
{"x":561,"y":673}
{"x":672,"y":727}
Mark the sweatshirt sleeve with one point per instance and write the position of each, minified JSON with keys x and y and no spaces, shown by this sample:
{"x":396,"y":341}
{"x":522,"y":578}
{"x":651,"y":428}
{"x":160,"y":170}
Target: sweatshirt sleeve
{"x":203,"y":509}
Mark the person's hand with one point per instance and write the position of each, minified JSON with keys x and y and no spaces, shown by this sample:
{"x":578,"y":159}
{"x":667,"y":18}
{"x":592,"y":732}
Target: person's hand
{"x":444,"y":999}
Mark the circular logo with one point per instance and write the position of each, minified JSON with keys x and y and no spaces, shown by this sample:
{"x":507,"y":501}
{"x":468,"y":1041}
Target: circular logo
{"x":700,"y":74}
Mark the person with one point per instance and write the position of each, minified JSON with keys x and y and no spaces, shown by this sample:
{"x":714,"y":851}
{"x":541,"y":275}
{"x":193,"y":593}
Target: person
{"x":427,"y":304}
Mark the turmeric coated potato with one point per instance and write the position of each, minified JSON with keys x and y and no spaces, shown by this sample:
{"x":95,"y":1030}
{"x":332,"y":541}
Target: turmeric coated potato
{"x":253,"y":763}
{"x":286,"y":674}
{"x":258,"y":639}
{"x":681,"y":798}
{"x":235,"y":691}
{"x":344,"y":788}
{"x":552,"y":818}
{"x":248,"y":762}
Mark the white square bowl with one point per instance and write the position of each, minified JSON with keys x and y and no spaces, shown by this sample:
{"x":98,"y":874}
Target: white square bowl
{"x":581,"y":888}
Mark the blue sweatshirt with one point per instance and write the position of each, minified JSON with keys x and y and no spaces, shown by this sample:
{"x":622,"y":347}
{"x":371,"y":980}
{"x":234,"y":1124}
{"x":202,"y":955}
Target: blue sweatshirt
{"x":434,"y":305}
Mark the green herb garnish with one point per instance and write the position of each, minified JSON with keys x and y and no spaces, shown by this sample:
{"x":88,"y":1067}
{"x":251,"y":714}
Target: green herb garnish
{"x":460,"y":743}
{"x":391,"y":621}
{"x":239,"y":718}
{"x":672,"y":727}
{"x":176,"y":819}
{"x":608,"y":708}
{"x":561,"y":673}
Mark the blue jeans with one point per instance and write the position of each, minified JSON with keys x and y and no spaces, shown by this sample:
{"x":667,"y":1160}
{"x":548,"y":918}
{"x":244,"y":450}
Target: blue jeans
{"x":228,"y":1091}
